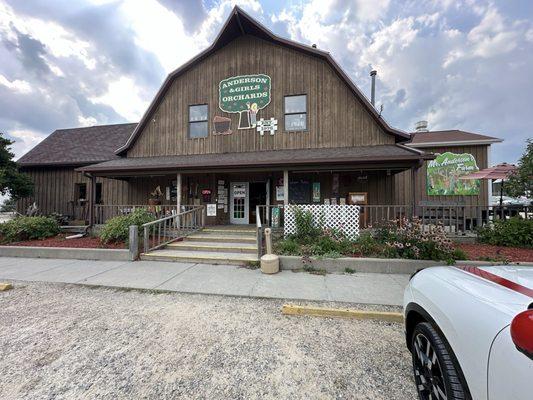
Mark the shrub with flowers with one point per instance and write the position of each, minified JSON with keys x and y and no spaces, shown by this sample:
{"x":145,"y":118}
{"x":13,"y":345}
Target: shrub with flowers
{"x":406,"y":238}
{"x":401,"y":238}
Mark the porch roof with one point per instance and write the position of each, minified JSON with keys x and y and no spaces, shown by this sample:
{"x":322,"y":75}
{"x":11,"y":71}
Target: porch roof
{"x":260,"y":159}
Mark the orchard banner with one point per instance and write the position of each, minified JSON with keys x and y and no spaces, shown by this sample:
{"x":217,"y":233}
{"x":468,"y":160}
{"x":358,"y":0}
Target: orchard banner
{"x":245,"y":95}
{"x":443,"y":175}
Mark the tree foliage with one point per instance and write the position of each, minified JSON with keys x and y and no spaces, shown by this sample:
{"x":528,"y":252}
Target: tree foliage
{"x":12,"y":182}
{"x":521,"y":182}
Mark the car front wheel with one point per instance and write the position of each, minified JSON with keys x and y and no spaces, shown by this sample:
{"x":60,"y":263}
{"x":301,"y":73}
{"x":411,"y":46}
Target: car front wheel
{"x":436,"y":376}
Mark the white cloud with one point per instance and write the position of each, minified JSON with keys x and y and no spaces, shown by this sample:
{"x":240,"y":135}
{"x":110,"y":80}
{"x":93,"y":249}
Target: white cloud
{"x":87,"y":121}
{"x":16,"y":85}
{"x":125,"y":97}
{"x":58,"y":41}
{"x":160,"y":31}
{"x":24,"y":141}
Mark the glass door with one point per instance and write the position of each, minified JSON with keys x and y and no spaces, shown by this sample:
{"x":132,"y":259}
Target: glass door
{"x":239,"y":203}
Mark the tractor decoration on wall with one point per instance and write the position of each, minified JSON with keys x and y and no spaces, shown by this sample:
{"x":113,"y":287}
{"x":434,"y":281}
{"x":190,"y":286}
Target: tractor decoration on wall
{"x":245,"y":95}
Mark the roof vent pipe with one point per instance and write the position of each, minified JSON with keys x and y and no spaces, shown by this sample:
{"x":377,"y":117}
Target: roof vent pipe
{"x":373,"y":74}
{"x":421,"y":126}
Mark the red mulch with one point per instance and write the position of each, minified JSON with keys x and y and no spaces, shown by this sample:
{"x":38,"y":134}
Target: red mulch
{"x":487,"y":252}
{"x":80,"y":243}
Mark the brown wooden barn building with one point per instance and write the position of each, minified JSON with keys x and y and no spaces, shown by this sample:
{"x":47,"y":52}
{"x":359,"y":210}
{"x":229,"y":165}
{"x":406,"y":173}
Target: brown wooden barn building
{"x":249,"y":119}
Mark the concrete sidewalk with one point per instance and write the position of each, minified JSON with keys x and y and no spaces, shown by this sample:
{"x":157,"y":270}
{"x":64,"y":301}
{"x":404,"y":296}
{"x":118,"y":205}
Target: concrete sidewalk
{"x":386,"y":289}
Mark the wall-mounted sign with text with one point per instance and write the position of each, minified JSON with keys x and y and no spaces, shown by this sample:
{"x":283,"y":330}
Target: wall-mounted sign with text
{"x":239,"y":191}
{"x":267,"y":125}
{"x":443,"y":175}
{"x":245,"y":95}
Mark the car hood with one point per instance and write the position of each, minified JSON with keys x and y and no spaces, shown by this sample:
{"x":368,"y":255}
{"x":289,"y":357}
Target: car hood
{"x":510,"y":295}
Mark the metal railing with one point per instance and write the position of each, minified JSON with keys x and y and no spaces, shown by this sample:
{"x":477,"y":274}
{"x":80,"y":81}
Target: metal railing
{"x":259,"y":227}
{"x":168,"y":229}
{"x":456,"y":219}
{"x":104,"y":212}
{"x":270,"y":216}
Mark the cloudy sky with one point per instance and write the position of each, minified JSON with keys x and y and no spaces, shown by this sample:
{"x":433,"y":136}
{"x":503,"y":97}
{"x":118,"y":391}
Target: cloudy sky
{"x":465,"y":64}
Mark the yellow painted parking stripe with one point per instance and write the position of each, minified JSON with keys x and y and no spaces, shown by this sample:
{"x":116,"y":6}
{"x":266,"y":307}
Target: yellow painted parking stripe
{"x":289,"y":309}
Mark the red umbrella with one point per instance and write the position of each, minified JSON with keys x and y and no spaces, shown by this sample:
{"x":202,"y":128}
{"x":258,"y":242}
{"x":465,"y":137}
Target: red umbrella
{"x":501,"y":171}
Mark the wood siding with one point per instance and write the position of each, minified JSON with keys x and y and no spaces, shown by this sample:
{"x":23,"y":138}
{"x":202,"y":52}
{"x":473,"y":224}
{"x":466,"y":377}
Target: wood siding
{"x":336,"y":118}
{"x":403,"y":180}
{"x":54,"y":190}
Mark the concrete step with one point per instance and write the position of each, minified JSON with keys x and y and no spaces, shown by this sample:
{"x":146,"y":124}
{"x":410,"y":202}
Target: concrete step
{"x":230,"y":231}
{"x":216,"y":237}
{"x":206,"y":257}
{"x":232,"y":247}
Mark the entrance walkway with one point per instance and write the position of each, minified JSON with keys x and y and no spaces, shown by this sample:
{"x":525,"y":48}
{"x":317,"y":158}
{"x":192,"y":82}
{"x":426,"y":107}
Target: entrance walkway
{"x":386,"y":289}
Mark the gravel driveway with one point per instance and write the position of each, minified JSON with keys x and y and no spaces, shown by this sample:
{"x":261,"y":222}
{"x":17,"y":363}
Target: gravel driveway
{"x":71,"y":342}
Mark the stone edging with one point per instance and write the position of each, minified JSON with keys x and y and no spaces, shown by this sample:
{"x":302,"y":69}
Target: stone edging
{"x":369,"y":265}
{"x":65,"y":252}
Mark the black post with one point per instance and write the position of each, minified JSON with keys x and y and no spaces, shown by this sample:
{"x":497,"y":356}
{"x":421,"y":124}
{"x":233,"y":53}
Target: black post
{"x":501,"y":200}
{"x":92,"y":200}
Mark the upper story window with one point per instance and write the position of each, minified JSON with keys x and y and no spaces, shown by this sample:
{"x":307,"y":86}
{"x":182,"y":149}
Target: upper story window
{"x":296,"y":113}
{"x":198,"y":126}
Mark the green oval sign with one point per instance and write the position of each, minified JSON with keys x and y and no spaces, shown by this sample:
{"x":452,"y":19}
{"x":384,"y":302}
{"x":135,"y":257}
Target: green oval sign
{"x":246,"y":95}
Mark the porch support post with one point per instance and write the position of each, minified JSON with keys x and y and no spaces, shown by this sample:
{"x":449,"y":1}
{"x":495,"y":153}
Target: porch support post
{"x":178,"y":192}
{"x":414,"y":176}
{"x":178,"y":199}
{"x":92,"y":200}
{"x":285,"y":187}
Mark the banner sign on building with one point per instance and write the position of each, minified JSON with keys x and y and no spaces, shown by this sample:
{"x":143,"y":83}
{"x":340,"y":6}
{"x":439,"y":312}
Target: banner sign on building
{"x":443,"y":175}
{"x":245,"y":95}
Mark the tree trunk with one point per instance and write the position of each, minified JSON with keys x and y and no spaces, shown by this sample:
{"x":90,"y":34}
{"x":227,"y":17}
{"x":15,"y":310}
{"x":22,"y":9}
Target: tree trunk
{"x":244,"y":119}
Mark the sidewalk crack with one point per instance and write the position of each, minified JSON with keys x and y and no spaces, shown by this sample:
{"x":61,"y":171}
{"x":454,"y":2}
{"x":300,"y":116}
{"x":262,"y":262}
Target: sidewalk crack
{"x":173,"y":276}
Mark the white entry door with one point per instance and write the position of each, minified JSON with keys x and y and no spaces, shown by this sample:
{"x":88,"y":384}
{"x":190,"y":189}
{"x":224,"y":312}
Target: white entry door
{"x":239,"y":203}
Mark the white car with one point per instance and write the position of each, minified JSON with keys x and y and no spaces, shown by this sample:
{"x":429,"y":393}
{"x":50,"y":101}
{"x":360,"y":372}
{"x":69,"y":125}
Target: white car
{"x":470,"y":332}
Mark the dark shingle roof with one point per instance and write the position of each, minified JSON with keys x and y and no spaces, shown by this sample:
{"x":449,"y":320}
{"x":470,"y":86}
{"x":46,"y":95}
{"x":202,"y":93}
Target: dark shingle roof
{"x":78,"y":146}
{"x":270,"y":158}
{"x":449,"y":138}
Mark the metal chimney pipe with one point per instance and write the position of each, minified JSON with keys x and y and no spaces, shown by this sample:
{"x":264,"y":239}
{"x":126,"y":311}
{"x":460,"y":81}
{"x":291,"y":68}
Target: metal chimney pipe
{"x":373,"y":74}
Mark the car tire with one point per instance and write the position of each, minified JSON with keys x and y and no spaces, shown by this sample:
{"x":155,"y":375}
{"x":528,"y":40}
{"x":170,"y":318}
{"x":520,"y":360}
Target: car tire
{"x":436,"y":372}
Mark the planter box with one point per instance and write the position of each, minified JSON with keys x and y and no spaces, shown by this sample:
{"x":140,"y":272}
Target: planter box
{"x":65,"y":252}
{"x":373,"y":265}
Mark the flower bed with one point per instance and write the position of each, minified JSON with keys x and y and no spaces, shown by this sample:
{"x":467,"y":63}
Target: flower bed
{"x":406,"y":239}
{"x":87,"y":242}
{"x":486,"y":252}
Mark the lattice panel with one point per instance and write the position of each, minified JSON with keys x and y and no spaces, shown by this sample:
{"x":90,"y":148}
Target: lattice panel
{"x":345,"y":218}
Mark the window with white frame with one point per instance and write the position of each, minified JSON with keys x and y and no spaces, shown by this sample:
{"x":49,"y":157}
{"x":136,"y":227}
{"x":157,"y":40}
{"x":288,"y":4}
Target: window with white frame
{"x":295,"y":109}
{"x":198,"y":121}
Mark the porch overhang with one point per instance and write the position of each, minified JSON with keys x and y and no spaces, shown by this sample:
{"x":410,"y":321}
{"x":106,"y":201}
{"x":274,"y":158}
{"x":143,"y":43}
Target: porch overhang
{"x":392,"y":156}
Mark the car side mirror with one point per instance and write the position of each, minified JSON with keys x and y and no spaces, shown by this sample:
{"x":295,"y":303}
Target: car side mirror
{"x":522,"y":332}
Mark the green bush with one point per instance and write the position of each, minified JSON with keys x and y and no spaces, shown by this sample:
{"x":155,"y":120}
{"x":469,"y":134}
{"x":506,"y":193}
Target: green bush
{"x":288,"y":247}
{"x":367,"y":246}
{"x":307,"y":229}
{"x":117,"y":229}
{"x":28,"y":228}
{"x":395,"y":239}
{"x":514,"y":232}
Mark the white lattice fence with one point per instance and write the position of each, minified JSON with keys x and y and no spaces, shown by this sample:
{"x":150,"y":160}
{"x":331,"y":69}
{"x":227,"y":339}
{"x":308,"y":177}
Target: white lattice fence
{"x":344,"y":218}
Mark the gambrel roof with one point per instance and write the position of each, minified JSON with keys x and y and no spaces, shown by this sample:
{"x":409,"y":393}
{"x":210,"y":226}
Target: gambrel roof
{"x":240,"y":23}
